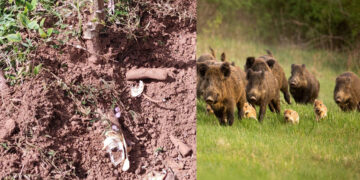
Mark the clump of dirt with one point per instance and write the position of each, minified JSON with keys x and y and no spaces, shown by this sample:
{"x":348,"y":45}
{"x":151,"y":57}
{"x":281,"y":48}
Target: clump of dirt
{"x":49,"y":125}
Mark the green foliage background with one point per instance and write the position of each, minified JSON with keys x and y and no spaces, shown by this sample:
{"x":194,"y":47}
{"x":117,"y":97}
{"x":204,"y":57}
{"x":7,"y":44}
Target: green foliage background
{"x":333,"y":24}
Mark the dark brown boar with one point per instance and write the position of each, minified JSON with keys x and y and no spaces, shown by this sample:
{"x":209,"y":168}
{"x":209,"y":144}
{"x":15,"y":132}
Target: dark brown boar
{"x":222,"y":90}
{"x":347,"y":91}
{"x":268,"y":63}
{"x":304,"y":87}
{"x":210,"y":59}
{"x":262,"y":90}
{"x":206,"y":58}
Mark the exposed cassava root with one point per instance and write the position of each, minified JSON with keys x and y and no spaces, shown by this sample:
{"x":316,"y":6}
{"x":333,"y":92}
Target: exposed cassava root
{"x":147,"y":73}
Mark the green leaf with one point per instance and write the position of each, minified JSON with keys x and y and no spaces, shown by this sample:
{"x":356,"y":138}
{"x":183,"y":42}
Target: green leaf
{"x":33,"y":25}
{"x":29,"y":6}
{"x":34,"y":3}
{"x":42,"y":22}
{"x":37,"y":69}
{"x":42,"y":33}
{"x":23,"y":19}
{"x":26,"y":10}
{"x":24,"y":44}
{"x":29,"y":42}
{"x":19,"y":2}
{"x":49,"y":32}
{"x":14,"y":37}
{"x":52,"y":153}
{"x":4,"y":145}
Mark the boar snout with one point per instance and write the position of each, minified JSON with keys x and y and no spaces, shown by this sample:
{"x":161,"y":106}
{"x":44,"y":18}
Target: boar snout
{"x":287,"y":118}
{"x":338,"y":100}
{"x":293,"y":83}
{"x":252,"y":98}
{"x":211,"y":99}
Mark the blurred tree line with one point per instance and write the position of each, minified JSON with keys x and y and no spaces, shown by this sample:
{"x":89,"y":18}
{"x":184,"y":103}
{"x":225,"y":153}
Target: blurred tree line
{"x":333,"y":24}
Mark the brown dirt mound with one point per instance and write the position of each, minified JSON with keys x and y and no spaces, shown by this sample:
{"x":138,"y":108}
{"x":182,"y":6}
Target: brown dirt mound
{"x":48,"y":124}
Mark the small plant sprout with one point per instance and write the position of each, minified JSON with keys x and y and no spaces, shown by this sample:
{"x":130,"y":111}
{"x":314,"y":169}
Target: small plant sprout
{"x":137,"y":90}
{"x":159,"y":150}
{"x":52,"y":153}
{"x":4,"y":145}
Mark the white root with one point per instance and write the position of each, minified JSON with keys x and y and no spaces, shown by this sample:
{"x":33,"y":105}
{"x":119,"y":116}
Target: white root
{"x":137,"y":90}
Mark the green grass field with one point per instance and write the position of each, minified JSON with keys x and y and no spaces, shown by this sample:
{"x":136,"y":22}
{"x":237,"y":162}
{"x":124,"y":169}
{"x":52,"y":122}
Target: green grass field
{"x":329,"y":149}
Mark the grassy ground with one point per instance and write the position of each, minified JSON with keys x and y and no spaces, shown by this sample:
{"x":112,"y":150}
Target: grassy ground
{"x":273,"y":150}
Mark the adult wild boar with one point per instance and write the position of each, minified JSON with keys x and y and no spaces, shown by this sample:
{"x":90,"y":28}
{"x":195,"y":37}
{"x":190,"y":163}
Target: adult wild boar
{"x":347,"y":91}
{"x":262,"y":90}
{"x":222,"y":90}
{"x":205,"y":58}
{"x":304,"y":87}
{"x":210,"y":59}
{"x":268,"y":63}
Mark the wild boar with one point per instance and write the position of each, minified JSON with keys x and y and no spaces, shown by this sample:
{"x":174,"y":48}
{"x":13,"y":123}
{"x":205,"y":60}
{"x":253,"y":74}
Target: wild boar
{"x":249,"y":111}
{"x":291,"y":116}
{"x":268,"y":63}
{"x":304,"y":87}
{"x":262,"y":90}
{"x":222,"y":90}
{"x":347,"y":91}
{"x":211,"y":60}
{"x":320,"y":109}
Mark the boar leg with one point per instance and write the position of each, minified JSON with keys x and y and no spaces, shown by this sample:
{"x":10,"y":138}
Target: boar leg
{"x":262,"y":112}
{"x":230,"y":116}
{"x":229,"y":110}
{"x":276,"y":104}
{"x":271,"y":107}
{"x":221,"y":117}
{"x":240,"y":107}
{"x":285,"y":91}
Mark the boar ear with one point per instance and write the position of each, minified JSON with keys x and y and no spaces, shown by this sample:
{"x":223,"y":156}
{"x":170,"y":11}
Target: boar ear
{"x":303,"y":66}
{"x":202,"y":68}
{"x":248,"y":74}
{"x":292,"y":66}
{"x":225,"y":69}
{"x":223,"y":57}
{"x":233,"y":63}
{"x":212,"y":52}
{"x":249,"y":62}
{"x":271,"y":63}
{"x":269,"y":52}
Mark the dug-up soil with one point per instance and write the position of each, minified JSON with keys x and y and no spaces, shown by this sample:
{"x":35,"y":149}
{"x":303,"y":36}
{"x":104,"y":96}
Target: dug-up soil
{"x":45,"y":131}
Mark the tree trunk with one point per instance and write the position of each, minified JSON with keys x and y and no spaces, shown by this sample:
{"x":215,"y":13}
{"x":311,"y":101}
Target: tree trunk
{"x":92,"y":30}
